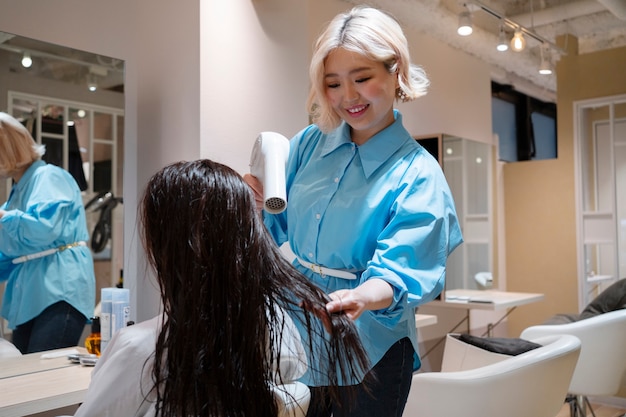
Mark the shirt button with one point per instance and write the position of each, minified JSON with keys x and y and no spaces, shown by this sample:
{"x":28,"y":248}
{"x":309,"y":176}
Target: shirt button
{"x":317,"y":216}
{"x":337,"y":179}
{"x":311,"y":255}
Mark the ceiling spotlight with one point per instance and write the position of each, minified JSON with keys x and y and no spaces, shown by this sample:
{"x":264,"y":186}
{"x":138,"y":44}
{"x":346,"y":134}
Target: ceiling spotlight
{"x":545,"y":69}
{"x":92,"y":86}
{"x":546,"y":65}
{"x":518,"y":43}
{"x":27,"y":61}
{"x":503,"y":43}
{"x":465,"y":23}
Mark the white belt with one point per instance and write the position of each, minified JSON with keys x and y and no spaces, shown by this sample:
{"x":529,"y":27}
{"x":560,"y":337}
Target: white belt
{"x":323,"y":271}
{"x":47,"y":252}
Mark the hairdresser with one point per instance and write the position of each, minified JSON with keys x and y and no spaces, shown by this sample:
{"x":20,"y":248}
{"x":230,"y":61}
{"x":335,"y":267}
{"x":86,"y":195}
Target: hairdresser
{"x":44,"y":258}
{"x":370,"y":216}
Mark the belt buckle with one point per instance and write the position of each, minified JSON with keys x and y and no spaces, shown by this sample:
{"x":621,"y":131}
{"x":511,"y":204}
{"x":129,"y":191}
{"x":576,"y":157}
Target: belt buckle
{"x":320,"y":269}
{"x":68,"y":246}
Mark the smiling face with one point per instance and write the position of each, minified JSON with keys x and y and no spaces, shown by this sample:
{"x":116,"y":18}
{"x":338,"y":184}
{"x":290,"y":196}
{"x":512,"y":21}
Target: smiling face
{"x":361,"y":91}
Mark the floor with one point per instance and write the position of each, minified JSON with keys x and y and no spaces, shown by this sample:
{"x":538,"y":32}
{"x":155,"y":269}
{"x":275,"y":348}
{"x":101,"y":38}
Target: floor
{"x":599,"y":410}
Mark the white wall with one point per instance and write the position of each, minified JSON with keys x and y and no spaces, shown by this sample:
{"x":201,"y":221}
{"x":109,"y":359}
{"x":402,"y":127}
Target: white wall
{"x":158,"y":41}
{"x":254,"y":57}
{"x":204,"y":78}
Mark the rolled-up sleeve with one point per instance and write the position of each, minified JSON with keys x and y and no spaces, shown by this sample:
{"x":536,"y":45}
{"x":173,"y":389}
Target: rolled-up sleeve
{"x":413,"y":247}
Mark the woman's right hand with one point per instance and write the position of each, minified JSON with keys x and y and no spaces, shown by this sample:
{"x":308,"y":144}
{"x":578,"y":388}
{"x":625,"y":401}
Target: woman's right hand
{"x":257,"y":189}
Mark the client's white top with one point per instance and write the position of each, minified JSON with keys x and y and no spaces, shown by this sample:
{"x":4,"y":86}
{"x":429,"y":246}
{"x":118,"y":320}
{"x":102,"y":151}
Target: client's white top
{"x":122,"y":377}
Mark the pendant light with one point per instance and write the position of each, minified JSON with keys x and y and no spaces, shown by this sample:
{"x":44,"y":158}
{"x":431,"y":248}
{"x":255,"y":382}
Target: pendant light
{"x":465,"y":23}
{"x":503,"y":44}
{"x":27,"y":61}
{"x":546,"y":64}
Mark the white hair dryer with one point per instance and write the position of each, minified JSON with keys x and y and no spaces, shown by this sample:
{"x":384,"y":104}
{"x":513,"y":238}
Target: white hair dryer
{"x":267,"y":163}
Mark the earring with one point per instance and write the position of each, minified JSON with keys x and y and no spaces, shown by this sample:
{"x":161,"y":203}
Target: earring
{"x":401,"y":95}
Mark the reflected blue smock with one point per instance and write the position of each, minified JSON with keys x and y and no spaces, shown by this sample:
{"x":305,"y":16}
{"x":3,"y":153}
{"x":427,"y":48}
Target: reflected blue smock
{"x":45,"y":210}
{"x":383,"y":209}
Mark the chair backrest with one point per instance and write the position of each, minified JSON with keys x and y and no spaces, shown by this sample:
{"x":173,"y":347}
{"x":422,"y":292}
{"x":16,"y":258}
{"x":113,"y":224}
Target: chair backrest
{"x":531,"y":384}
{"x":602,"y":363}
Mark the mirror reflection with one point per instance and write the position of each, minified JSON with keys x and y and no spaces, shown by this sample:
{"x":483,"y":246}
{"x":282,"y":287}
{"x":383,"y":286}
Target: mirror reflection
{"x":601,"y":145}
{"x":467,"y":165}
{"x":72,"y":102}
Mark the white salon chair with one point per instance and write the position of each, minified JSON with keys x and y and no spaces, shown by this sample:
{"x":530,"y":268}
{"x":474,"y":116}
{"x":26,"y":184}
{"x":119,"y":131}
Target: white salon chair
{"x":602,"y":364}
{"x":293,"y":399}
{"x":8,"y":349}
{"x":530,"y":384}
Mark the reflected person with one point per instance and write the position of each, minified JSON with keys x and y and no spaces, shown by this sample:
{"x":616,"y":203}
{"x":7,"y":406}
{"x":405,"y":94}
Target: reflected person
{"x":44,"y":258}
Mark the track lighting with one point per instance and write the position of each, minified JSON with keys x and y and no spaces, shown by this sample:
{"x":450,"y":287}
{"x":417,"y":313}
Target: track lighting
{"x":465,"y":23}
{"x":27,"y":61}
{"x":518,"y":42}
{"x":503,"y":43}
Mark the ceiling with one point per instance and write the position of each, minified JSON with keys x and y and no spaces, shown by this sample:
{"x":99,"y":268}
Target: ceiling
{"x":598,"y":25}
{"x":55,"y":62}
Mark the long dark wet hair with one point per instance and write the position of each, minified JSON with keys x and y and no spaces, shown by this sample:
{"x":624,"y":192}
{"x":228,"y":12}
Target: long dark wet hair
{"x":222,"y":280}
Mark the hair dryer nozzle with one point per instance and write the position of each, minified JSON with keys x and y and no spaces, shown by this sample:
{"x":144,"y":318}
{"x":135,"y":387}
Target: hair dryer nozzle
{"x":267,"y":163}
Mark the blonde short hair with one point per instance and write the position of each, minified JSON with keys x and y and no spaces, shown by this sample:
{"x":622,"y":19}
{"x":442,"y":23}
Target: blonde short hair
{"x":377,"y":36}
{"x":17,"y":147}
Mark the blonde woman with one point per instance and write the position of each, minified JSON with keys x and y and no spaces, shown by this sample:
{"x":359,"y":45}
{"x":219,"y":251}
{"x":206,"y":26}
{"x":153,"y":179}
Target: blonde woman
{"x":370,"y":216}
{"x":44,"y":257}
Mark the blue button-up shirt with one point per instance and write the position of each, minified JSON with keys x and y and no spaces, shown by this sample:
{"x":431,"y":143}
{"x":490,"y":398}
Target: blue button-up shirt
{"x":44,"y":211}
{"x":383,"y":209}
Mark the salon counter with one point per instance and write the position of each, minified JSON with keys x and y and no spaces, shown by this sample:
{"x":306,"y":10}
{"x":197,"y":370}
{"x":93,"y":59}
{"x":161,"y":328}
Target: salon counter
{"x":30,"y":384}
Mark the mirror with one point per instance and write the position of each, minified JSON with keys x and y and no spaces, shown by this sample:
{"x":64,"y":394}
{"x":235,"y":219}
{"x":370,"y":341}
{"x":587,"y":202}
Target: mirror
{"x":468,"y":167}
{"x":600,"y":140}
{"x":73,"y":102}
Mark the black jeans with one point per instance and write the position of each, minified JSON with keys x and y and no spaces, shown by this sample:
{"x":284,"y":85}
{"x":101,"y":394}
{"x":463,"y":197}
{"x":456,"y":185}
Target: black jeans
{"x":385,"y":397}
{"x":58,"y":326}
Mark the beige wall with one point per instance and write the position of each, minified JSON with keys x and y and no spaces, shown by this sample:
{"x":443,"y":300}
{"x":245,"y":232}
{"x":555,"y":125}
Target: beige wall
{"x":540,"y":195}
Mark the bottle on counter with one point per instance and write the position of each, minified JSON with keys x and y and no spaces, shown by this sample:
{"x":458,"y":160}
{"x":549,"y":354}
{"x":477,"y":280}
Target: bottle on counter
{"x":106,"y":303}
{"x":92,"y":343}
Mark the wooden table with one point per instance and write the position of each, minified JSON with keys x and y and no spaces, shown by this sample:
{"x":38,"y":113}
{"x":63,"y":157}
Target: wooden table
{"x":486,"y":300}
{"x":422,"y":320}
{"x":30,"y":384}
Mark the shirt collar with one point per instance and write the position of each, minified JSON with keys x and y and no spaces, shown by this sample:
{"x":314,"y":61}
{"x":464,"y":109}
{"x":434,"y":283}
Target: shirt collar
{"x":29,"y":173}
{"x":377,"y":149}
